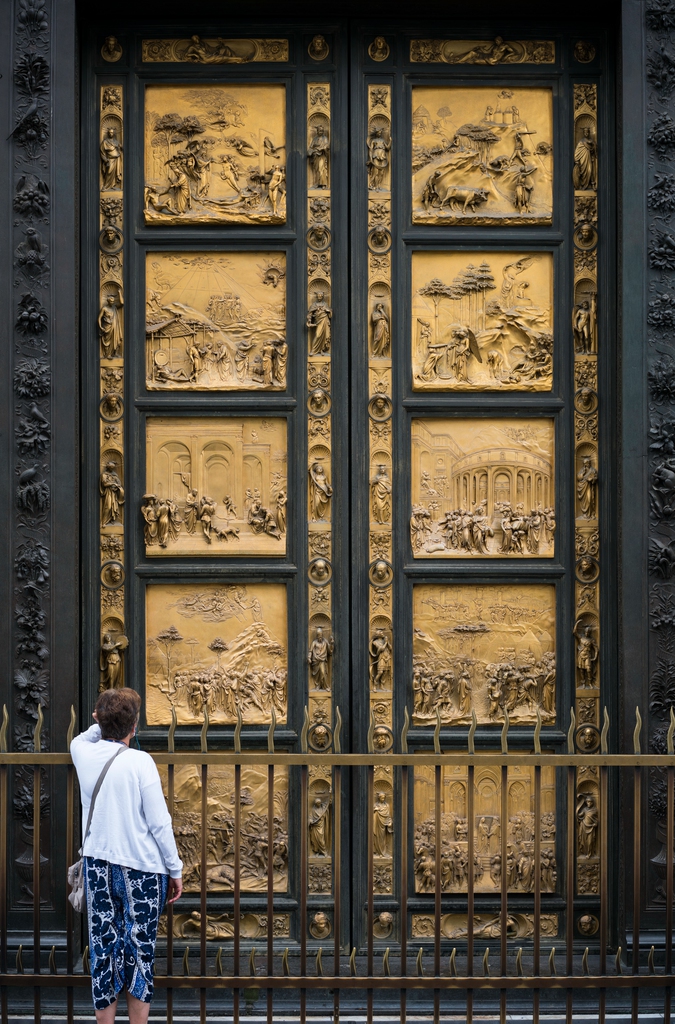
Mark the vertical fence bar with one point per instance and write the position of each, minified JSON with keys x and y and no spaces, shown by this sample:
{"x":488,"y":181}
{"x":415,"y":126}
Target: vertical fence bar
{"x":670,"y":828}
{"x":237,"y":888}
{"x":371,"y":887}
{"x":170,"y":770}
{"x":404,"y":887}
{"x":604,"y":883}
{"x":304,"y":839}
{"x":270,"y":889}
{"x":469,"y":895}
{"x":637,"y":871}
{"x":503,"y":920}
{"x":438,"y":782}
{"x":536,"y":942}
{"x":569,"y":886}
{"x":4,"y":882}
{"x":337,"y":879}
{"x":37,"y":780}
{"x":202,"y":894}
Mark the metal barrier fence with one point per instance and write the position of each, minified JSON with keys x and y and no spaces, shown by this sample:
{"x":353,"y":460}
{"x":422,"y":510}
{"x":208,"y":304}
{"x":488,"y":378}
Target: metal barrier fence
{"x":424,"y":983}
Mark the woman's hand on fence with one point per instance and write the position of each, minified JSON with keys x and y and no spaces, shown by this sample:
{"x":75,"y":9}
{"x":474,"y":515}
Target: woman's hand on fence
{"x":175,"y":889}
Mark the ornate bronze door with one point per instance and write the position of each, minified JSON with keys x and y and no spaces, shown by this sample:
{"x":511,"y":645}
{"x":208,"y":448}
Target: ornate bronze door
{"x":345,"y":305}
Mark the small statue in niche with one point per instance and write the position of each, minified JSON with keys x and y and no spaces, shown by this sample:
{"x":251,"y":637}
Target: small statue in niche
{"x":112,"y":494}
{"x":380,"y":665}
{"x":587,"y":655}
{"x":320,"y":491}
{"x":582,"y":326}
{"x":587,"y":488}
{"x":110,"y":327}
{"x":587,"y":825}
{"x":585,"y":171}
{"x":319,"y":652}
{"x":381,"y":488}
{"x":110,"y":662}
{"x":383,"y":826}
{"x":378,"y":158}
{"x":318,"y":153}
{"x":379,"y":320}
{"x":111,"y":162}
{"x":319,"y":821}
{"x":319,"y":321}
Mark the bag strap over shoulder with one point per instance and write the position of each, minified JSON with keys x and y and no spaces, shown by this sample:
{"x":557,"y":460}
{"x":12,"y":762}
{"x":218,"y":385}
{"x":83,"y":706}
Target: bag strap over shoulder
{"x":97,"y":787}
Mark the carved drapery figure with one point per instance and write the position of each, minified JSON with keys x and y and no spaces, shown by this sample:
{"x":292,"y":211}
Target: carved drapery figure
{"x":191,"y":513}
{"x":585,"y":171}
{"x":110,"y":662}
{"x":149,"y":513}
{"x":587,"y":488}
{"x":378,"y":158}
{"x":318,"y":153}
{"x":282,"y":501}
{"x":320,"y":491}
{"x":319,"y":652}
{"x":319,"y":821}
{"x":381,"y":488}
{"x":381,"y":330}
{"x":112,"y":494}
{"x":383,"y":826}
{"x":280,"y":358}
{"x":380,"y":665}
{"x":110,"y":327}
{"x":318,"y":320}
{"x":587,"y":655}
{"x":587,"y":825}
{"x":111,"y":162}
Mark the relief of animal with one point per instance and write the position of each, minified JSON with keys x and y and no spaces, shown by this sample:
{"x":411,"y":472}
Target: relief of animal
{"x":461,"y":198}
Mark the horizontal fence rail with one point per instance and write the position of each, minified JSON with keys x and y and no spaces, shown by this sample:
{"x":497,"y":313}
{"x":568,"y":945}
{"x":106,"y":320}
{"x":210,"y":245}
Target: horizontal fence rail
{"x":471,"y":974}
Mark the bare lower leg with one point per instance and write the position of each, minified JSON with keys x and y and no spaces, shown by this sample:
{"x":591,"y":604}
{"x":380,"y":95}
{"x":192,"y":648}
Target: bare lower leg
{"x":107,"y":1016}
{"x":138,"y":1011}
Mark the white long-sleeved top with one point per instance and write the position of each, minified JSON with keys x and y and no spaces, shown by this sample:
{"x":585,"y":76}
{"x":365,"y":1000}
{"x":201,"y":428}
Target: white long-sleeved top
{"x":131,"y":824}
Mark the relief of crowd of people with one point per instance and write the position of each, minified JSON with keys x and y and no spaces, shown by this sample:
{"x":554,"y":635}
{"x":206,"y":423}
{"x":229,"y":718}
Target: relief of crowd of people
{"x":509,"y":532}
{"x":163,"y":519}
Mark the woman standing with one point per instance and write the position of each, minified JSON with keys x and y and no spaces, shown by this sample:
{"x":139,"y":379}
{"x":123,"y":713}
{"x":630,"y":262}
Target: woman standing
{"x":131,"y":862}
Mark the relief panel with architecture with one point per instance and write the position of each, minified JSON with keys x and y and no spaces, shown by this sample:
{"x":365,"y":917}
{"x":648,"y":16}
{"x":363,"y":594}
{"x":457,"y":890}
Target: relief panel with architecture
{"x":216,"y":321}
{"x":219,"y":649}
{"x":215,"y":154}
{"x":482,"y":488}
{"x":254,"y":845}
{"x":482,"y":155}
{"x":488,"y":649}
{"x":215,"y":486}
{"x":482,"y":321}
{"x":487,"y":836}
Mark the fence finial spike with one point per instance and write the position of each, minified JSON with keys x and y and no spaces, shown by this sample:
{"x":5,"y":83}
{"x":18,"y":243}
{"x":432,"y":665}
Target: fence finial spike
{"x":571,"y":731}
{"x":637,"y":730}
{"x":419,"y":964}
{"x":650,"y":961}
{"x":551,"y":962}
{"x":352,"y":962}
{"x":371,"y":733}
{"x":37,"y":731}
{"x":486,"y":962}
{"x":186,"y":962}
{"x":251,"y":964}
{"x":437,"y":733}
{"x":270,"y":733}
{"x":519,"y":962}
{"x":404,"y":731}
{"x":52,"y":960}
{"x":3,"y":730}
{"x":584,"y":962}
{"x":86,"y":966}
{"x":170,"y":741}
{"x":471,"y":738}
{"x":204,"y":741}
{"x":617,"y":961}
{"x":19,"y":959}
{"x":604,"y":735}
{"x":537,"y":733}
{"x":219,"y":962}
{"x":237,"y":732}
{"x":337,"y":746}
{"x":505,"y":733}
{"x":385,"y":963}
{"x":319,"y":965}
{"x":671,"y":731}
{"x":453,"y":964}
{"x":284,"y":964}
{"x":71,"y":727}
{"x":304,"y":733}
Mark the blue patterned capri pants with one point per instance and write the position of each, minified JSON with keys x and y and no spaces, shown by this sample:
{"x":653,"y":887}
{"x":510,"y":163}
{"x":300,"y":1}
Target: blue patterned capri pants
{"x":123,"y":910}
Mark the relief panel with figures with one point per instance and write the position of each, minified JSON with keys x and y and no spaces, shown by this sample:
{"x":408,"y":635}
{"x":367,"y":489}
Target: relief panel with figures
{"x":487,"y":836}
{"x":482,"y":488}
{"x":215,"y":154}
{"x":482,"y":321}
{"x":482,"y":155}
{"x":488,"y":649}
{"x":215,"y":486}
{"x":216,"y":321}
{"x":222,"y":649}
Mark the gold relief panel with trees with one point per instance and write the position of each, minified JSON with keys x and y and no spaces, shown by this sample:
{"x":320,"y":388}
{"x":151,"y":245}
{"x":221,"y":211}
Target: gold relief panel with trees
{"x":220,"y":829}
{"x":482,"y":488}
{"x":482,"y":321}
{"x":215,"y":153}
{"x":487,"y":827}
{"x":219,"y":649}
{"x":482,"y":155}
{"x":216,"y":321}
{"x":215,"y":486}
{"x":489,"y":649}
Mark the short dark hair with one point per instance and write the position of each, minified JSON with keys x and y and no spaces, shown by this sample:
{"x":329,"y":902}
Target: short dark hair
{"x":117,"y":712}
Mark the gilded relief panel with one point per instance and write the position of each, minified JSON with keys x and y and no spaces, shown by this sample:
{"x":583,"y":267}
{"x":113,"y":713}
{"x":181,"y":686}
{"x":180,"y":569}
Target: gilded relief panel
{"x":254,"y":844}
{"x":216,"y":649}
{"x":485,"y":926}
{"x":215,"y":485}
{"x":216,"y":321}
{"x":482,"y":155}
{"x":487,"y":827}
{"x":482,"y":488}
{"x":197,"y":50}
{"x":482,"y":321}
{"x":482,"y":51}
{"x":215,"y":154}
{"x":488,"y":649}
